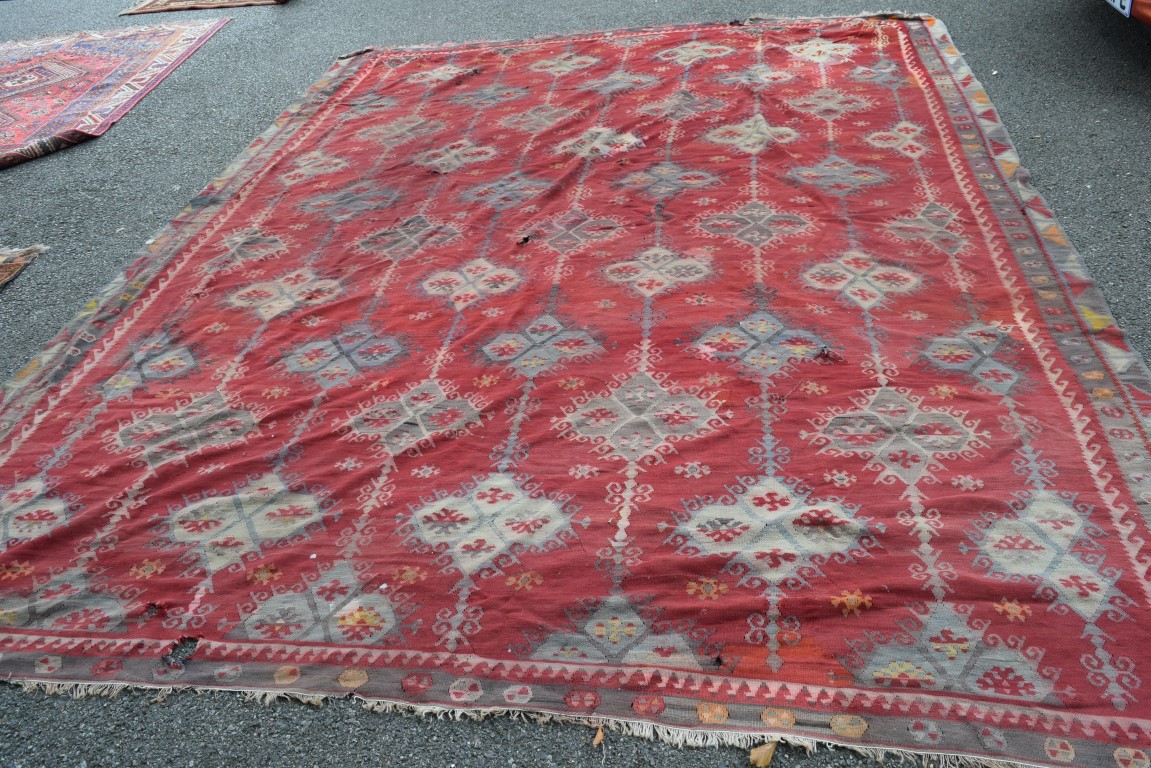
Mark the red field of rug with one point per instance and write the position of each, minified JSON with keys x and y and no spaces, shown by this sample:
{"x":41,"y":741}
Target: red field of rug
{"x":718,"y":381}
{"x":63,"y":90}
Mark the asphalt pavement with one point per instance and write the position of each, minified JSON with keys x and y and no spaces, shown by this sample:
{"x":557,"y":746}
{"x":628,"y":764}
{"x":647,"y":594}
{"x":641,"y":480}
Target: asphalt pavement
{"x":1071,"y":79}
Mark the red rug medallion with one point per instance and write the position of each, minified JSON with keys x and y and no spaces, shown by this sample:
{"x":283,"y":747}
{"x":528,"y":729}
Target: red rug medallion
{"x":721,"y":381}
{"x":63,"y":90}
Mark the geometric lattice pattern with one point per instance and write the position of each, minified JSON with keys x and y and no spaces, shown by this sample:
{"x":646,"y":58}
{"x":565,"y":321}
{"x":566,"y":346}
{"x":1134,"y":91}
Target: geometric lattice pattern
{"x":727,"y":379}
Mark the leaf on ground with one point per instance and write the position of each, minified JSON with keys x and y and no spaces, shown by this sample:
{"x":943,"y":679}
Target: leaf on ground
{"x":598,"y":737}
{"x":761,"y":756}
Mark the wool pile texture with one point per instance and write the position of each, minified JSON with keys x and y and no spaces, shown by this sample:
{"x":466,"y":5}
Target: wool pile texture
{"x":58,"y":91}
{"x":718,"y":382}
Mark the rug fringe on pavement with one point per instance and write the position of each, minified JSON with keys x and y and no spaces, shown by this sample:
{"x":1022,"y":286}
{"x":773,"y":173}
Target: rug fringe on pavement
{"x":676,"y":737}
{"x":14,"y":260}
{"x":581,"y":650}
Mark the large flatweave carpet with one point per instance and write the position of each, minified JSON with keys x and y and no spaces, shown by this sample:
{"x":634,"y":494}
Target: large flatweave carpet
{"x":62,"y":90}
{"x":720,"y":382}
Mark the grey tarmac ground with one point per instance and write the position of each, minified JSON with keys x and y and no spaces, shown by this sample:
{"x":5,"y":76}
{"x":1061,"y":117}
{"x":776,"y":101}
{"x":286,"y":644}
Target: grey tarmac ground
{"x":1071,"y":78}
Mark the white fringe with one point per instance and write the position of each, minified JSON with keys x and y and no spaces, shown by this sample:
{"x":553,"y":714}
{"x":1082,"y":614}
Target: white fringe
{"x":268,"y":698}
{"x":30,"y":252}
{"x":689,"y":737}
{"x":668,"y":734}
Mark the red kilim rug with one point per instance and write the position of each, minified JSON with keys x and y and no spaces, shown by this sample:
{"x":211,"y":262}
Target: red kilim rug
{"x":715,"y":381}
{"x":63,"y":90}
{"x":161,"y":6}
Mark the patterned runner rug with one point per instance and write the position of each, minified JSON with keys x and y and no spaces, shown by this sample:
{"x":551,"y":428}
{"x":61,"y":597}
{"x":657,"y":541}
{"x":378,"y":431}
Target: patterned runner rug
{"x":161,"y":6}
{"x":716,"y":382}
{"x":58,"y":91}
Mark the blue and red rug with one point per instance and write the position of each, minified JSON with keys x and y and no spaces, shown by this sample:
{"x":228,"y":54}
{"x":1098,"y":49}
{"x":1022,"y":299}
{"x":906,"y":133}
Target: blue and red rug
{"x":63,"y":90}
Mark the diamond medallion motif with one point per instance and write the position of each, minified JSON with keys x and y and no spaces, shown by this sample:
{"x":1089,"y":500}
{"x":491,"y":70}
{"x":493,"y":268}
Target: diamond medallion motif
{"x":861,"y":280}
{"x":770,"y":533}
{"x":665,"y":180}
{"x":972,"y":351}
{"x":837,"y":176}
{"x":829,"y":104}
{"x":414,"y":419}
{"x":657,"y":270}
{"x":755,"y":224}
{"x":473,"y":282}
{"x":223,"y":530}
{"x":752,"y":136}
{"x":409,"y":237}
{"x":542,"y":347}
{"x":930,"y":225}
{"x":334,"y":362}
{"x":488,"y":524}
{"x":640,"y":417}
{"x":897,"y":435}
{"x":761,"y":343}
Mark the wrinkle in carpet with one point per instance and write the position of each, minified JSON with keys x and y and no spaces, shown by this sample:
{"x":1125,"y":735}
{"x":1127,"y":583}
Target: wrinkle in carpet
{"x":719,"y":382}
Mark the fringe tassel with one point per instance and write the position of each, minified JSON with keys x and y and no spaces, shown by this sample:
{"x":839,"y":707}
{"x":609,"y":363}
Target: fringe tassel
{"x":268,"y":698}
{"x":85,"y":690}
{"x":20,"y":257}
{"x":687,"y":737}
{"x":675,"y":736}
{"x":29,"y":253}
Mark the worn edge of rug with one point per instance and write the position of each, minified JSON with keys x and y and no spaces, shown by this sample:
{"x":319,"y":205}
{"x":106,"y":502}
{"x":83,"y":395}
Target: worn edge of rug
{"x":172,"y":66}
{"x":63,"y":351}
{"x":23,"y":257}
{"x":142,"y":6}
{"x":59,"y":357}
{"x":46,"y":146}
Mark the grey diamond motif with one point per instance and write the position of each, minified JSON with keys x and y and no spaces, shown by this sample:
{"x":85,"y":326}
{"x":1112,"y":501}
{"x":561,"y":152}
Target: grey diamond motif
{"x":575,"y":229}
{"x":349,"y":203}
{"x":333,"y":362}
{"x":972,"y":351}
{"x":681,"y":105}
{"x":618,"y":82}
{"x":829,"y":104}
{"x":899,"y":436}
{"x":506,"y":191}
{"x":754,"y":224}
{"x":837,"y":176}
{"x":536,"y":119}
{"x":930,"y":225}
{"x":664,"y":180}
{"x":246,"y":245}
{"x":541,"y":347}
{"x":489,"y":96}
{"x":401,"y":130}
{"x":885,"y":75}
{"x":371,"y":102}
{"x":640,"y":417}
{"x":761,"y":343}
{"x":756,"y":76}
{"x":407,"y":238}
